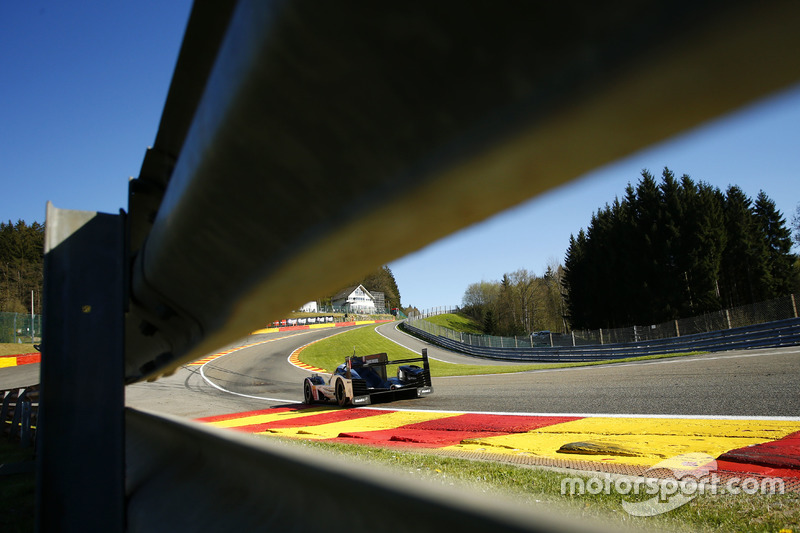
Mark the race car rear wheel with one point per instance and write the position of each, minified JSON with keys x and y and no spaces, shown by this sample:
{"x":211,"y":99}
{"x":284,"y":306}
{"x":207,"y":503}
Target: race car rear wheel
{"x":341,"y":395}
{"x":308,"y":396}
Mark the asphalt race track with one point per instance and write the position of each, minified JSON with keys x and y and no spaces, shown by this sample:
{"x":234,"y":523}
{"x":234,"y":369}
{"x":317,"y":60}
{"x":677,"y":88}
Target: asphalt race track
{"x":751,"y":383}
{"x":738,"y":410}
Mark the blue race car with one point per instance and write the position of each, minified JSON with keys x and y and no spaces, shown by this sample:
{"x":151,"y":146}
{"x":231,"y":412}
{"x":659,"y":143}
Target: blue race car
{"x":363,"y":380}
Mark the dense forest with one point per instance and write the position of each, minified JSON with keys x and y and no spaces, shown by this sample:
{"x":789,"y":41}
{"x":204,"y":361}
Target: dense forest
{"x":673,"y":250}
{"x":21,"y":258}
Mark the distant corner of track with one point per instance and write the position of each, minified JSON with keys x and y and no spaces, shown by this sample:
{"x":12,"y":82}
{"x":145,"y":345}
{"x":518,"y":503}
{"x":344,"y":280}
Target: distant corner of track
{"x":294,"y":357}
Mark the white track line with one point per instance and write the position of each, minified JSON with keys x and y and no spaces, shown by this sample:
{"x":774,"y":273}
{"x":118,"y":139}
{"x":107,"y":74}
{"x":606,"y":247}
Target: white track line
{"x":407,"y":347}
{"x":505,"y":413}
{"x":223,"y":389}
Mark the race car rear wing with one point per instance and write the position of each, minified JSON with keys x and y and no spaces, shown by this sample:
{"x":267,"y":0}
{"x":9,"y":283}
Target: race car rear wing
{"x":380,"y":361}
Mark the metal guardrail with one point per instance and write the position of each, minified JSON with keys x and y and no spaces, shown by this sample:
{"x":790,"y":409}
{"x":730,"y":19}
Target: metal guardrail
{"x":768,"y":335}
{"x":418,"y":111}
{"x":773,"y":310}
{"x":237,"y":483}
{"x":19,"y":414}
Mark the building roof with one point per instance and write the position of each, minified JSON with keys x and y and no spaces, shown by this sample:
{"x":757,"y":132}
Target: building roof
{"x":344,"y":293}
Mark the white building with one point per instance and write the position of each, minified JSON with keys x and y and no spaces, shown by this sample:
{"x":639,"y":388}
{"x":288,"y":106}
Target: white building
{"x":355,"y":299}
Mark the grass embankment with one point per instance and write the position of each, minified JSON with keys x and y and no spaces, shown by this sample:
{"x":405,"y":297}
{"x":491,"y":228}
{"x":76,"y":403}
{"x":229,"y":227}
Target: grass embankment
{"x":541,"y":489}
{"x":10,"y":348}
{"x":456,"y":322}
{"x":330,"y":353}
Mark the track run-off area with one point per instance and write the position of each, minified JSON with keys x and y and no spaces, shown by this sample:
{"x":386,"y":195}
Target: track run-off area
{"x":739,"y":408}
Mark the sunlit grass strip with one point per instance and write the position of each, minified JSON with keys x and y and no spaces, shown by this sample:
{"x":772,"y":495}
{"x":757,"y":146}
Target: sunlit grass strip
{"x":456,"y":322}
{"x":543,"y":489}
{"x":11,"y":348}
{"x":330,"y":353}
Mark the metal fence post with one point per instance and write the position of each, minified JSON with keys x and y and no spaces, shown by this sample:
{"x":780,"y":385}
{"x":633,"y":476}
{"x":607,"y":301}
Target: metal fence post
{"x":80,"y":457}
{"x":794,"y":305}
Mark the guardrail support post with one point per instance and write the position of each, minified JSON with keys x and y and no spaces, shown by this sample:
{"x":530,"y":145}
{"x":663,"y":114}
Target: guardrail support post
{"x":80,"y":478}
{"x":24,"y":406}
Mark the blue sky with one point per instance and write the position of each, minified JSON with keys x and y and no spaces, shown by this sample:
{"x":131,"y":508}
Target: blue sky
{"x":82,"y":85}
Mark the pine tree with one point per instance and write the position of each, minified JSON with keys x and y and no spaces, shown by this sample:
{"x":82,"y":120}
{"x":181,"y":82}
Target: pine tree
{"x":671,"y":264}
{"x":648,"y":257}
{"x":703,"y":241}
{"x":21,"y":266}
{"x":778,"y":240}
{"x":489,"y":323}
{"x":674,"y":250}
{"x":577,"y":288}
{"x":744,"y":274}
{"x":505,"y":314}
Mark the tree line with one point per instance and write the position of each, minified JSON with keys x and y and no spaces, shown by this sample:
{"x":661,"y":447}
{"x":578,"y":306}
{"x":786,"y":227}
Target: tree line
{"x":676,"y":249}
{"x":21,"y":266}
{"x":22,"y":260}
{"x":520,"y":303}
{"x":667,"y":250}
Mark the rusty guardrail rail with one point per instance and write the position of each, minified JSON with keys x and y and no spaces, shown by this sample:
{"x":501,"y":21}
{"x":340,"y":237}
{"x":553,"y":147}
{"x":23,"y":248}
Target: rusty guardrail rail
{"x":442,"y":111}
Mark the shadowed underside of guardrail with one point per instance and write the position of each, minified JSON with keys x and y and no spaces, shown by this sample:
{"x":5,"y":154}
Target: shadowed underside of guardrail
{"x":344,"y":115}
{"x":347,"y":115}
{"x":269,"y":487}
{"x":768,"y":335}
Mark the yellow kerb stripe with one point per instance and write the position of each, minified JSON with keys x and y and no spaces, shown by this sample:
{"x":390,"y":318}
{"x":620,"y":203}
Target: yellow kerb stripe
{"x":634,"y":441}
{"x":372,"y":423}
{"x":268,"y":417}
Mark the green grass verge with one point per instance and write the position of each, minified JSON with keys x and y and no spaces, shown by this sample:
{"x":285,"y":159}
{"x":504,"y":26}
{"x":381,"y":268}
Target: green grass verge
{"x":10,"y":348}
{"x":330,"y":353}
{"x":541,"y":488}
{"x":457,"y":322}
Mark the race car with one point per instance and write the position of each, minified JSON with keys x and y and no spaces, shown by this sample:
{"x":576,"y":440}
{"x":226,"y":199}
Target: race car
{"x":362,"y":381}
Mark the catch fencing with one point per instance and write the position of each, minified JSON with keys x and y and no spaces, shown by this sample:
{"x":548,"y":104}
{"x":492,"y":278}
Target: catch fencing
{"x":20,"y":328}
{"x":683,"y":333}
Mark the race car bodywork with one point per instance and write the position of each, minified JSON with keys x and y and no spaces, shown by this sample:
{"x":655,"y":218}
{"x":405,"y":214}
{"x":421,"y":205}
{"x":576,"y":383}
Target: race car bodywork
{"x":363,"y":380}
